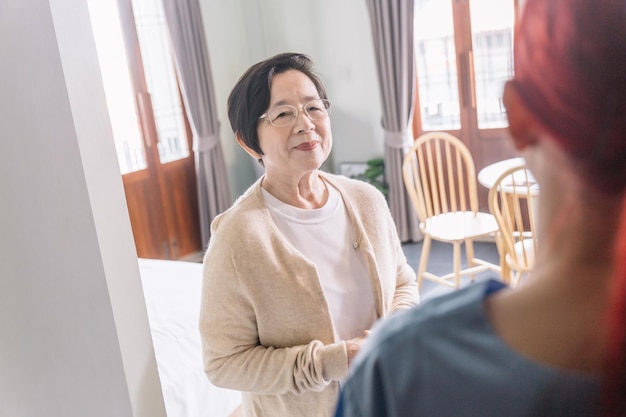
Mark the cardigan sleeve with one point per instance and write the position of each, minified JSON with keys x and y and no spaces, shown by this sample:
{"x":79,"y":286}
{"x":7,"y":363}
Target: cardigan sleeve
{"x":233,"y":355}
{"x":406,"y":294}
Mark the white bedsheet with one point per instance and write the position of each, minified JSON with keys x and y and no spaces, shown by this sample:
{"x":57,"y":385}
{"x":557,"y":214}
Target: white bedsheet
{"x":172,"y":293}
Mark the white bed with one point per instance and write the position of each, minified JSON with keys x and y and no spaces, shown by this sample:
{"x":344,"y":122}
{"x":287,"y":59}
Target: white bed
{"x":172,"y":293}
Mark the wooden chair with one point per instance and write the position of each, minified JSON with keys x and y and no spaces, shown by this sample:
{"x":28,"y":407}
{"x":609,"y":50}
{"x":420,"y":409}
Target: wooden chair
{"x":512,"y":200}
{"x":440,"y":178}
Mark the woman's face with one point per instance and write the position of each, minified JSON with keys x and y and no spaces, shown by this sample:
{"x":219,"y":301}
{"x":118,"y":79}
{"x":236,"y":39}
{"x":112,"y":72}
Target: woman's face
{"x":302,"y":147}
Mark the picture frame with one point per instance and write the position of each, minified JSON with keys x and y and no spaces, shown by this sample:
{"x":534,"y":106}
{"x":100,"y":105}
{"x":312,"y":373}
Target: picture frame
{"x":353,"y":169}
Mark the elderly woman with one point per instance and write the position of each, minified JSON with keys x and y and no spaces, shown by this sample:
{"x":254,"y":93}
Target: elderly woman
{"x":304,"y":263}
{"x":554,"y":346}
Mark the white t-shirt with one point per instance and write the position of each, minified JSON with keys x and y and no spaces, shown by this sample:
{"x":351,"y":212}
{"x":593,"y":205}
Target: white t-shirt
{"x":326,"y":237}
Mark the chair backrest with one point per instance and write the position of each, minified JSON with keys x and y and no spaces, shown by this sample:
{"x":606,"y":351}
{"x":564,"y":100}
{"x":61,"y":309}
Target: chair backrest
{"x":513,"y":201}
{"x":439,"y":175}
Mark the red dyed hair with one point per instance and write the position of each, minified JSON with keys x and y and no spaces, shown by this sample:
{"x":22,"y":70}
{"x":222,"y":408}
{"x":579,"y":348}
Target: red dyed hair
{"x":615,"y":381}
{"x":570,"y":73}
{"x":570,"y":61}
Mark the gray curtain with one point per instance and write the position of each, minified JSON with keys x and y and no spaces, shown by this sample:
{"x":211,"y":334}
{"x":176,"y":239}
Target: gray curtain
{"x":186,"y":29}
{"x":392,"y":30}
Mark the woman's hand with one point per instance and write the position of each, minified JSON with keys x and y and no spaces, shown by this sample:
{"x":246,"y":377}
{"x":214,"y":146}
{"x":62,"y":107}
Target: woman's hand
{"x":354,"y":345}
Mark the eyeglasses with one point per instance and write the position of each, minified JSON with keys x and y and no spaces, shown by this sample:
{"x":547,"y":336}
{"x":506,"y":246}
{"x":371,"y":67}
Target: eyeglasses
{"x":286,"y":115}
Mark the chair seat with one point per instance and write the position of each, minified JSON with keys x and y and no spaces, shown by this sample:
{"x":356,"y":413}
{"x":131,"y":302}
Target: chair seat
{"x":525,"y":254}
{"x":458,"y":226}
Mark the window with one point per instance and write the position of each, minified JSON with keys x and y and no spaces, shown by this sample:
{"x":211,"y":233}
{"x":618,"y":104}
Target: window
{"x":159,"y":77}
{"x":463,"y":54}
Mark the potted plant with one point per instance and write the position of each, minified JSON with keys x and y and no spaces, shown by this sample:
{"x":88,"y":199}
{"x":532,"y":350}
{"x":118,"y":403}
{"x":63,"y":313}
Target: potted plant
{"x":375,"y":174}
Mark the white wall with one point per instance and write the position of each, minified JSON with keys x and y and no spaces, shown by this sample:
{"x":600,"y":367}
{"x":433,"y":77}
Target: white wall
{"x":75,"y":338}
{"x":336,"y":34}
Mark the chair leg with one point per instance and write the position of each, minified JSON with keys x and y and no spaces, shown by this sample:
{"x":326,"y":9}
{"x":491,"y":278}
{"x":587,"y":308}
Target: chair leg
{"x":456,"y":253}
{"x":507,"y":274}
{"x":505,"y":271}
{"x":469,"y":254}
{"x":423,"y":261}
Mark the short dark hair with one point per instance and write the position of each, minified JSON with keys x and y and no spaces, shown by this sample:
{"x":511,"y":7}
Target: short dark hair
{"x":250,"y":97}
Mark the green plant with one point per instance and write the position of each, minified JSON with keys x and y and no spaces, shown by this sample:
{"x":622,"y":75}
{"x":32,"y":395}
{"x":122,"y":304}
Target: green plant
{"x":375,"y":174}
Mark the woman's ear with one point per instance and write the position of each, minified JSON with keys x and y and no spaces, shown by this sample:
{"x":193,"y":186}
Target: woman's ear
{"x":522,"y":127}
{"x":246,"y":148}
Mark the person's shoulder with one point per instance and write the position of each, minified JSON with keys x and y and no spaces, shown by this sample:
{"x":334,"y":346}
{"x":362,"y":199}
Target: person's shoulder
{"x":458,"y":301}
{"x":429,"y":320}
{"x":241,"y":213}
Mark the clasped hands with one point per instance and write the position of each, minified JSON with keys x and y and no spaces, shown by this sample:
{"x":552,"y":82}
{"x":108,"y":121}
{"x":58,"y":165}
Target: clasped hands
{"x":354,"y":345}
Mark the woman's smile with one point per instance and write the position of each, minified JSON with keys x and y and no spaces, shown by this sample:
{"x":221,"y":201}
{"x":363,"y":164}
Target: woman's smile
{"x":308,"y":146}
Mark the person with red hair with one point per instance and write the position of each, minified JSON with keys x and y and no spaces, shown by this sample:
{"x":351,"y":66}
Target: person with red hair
{"x":555,"y":345}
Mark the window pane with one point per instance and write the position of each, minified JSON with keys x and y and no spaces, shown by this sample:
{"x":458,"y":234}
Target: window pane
{"x":117,"y":87}
{"x":492,"y":37}
{"x":161,"y":79}
{"x":436,"y":65}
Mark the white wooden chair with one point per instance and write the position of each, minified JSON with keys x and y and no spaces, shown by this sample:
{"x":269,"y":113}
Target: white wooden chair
{"x":440,"y":178}
{"x":513,"y":200}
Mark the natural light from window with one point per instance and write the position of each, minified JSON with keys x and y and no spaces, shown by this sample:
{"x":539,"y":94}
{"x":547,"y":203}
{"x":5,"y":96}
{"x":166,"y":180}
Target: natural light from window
{"x":492,"y":39}
{"x":159,"y":73}
{"x":160,"y":76}
{"x":436,"y":57}
{"x":436,"y":65}
{"x":117,"y":86}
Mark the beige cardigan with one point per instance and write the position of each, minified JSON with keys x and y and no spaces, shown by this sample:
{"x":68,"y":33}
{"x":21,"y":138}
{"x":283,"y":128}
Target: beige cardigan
{"x":265,"y":325}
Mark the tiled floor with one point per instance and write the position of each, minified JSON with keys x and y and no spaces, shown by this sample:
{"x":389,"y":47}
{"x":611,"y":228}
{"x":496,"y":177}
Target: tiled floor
{"x":440,"y":262}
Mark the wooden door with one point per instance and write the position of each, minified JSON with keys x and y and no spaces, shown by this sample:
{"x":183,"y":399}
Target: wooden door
{"x":162,"y":199}
{"x":163,"y":210}
{"x":151,"y":131}
{"x":163,"y":207}
{"x":464,"y":53}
